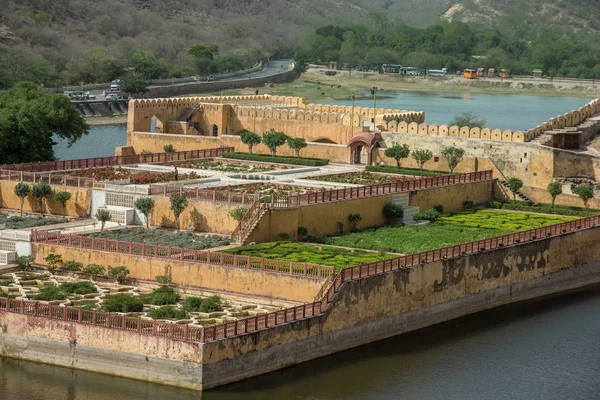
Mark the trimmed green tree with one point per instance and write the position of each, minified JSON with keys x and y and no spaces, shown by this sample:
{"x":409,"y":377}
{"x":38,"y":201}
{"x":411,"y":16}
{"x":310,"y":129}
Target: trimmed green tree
{"x":22,"y":190}
{"x":103,"y":215}
{"x":40,"y":191}
{"x":168,"y":148}
{"x":24,"y":263}
{"x":178,"y":204}
{"x":397,"y":152}
{"x":250,"y":139}
{"x":62,"y":198}
{"x":296,"y":144}
{"x":238,"y":213}
{"x":354,"y":219}
{"x":585,"y":193}
{"x":119,"y":273}
{"x":145,"y":205}
{"x":554,"y":188}
{"x":453,"y":156}
{"x":421,"y":156}
{"x":515,"y":184}
{"x":274,"y":139}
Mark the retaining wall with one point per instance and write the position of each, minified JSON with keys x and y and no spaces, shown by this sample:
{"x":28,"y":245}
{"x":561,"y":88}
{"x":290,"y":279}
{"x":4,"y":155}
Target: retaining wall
{"x":569,"y":119}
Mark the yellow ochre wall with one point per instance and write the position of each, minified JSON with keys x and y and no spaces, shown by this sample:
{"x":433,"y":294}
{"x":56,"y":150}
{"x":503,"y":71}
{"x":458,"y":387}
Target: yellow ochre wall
{"x":211,"y":277}
{"x":205,"y":216}
{"x":78,"y":206}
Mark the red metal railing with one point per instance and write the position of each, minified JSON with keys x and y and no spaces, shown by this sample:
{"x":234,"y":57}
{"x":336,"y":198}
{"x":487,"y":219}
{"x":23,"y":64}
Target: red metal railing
{"x":181,"y":254}
{"x":248,"y":325}
{"x":212,"y":195}
{"x":116,"y":160}
{"x":53,"y":179}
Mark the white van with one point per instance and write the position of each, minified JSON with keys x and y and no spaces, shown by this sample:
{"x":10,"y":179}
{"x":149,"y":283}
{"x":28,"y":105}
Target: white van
{"x":112,"y":97}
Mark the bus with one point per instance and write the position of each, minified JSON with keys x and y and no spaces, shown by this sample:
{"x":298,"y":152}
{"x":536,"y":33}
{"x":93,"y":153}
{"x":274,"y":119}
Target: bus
{"x":391,"y":68}
{"x":437,"y":72}
{"x":470,"y":74}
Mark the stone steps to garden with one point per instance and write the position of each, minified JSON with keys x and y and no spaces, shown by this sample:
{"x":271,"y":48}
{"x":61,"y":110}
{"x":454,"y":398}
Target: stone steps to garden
{"x":519,"y":194}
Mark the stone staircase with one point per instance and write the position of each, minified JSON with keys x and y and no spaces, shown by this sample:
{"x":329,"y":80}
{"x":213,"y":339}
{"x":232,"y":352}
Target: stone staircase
{"x":543,"y":139}
{"x":520,"y":195}
{"x":249,"y":222}
{"x":401,"y":199}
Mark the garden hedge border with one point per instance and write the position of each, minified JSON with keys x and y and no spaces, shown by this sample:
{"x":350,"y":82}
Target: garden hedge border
{"x":312,"y":162}
{"x":388,"y":169}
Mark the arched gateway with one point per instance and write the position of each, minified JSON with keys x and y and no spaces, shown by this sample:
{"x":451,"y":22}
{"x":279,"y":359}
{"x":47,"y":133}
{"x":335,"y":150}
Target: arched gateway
{"x":362,"y":145}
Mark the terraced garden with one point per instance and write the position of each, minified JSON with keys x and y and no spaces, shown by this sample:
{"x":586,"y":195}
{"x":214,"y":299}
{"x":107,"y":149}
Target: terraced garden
{"x":362,"y":178}
{"x":135,"y":177}
{"x":224,"y":166}
{"x":449,"y":230}
{"x":17,"y":222}
{"x":322,"y":255}
{"x":161,"y":237}
{"x":270,"y":189}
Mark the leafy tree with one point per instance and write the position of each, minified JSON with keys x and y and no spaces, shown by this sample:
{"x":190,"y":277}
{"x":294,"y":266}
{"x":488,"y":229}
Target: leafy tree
{"x":145,"y":205}
{"x":209,"y":51}
{"x":238,"y":213}
{"x":393,"y":211}
{"x":40,"y":191}
{"x":94,"y":269}
{"x":421,"y":156}
{"x":397,"y":152}
{"x":20,"y":64}
{"x":178,"y":204}
{"x":297,"y":144}
{"x":145,"y":65}
{"x":515,"y":184}
{"x":164,"y":279}
{"x":103,"y":215}
{"x":468,"y":119}
{"x":62,"y":198}
{"x":554,"y":188}
{"x":119,"y":273}
{"x":24,"y":263}
{"x":300,"y":64}
{"x":30,"y":119}
{"x":250,"y":139}
{"x":273,"y":139}
{"x":22,"y":190}
{"x":54,"y":262}
{"x":95,"y":65}
{"x":585,"y":193}
{"x":454,"y":156}
{"x":73,"y":265}
{"x":354,"y":219}
{"x":134,"y":85}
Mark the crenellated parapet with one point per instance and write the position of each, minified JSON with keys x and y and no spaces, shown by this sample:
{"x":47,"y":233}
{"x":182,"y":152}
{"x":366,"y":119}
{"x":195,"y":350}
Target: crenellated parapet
{"x":570,"y":119}
{"x":454,"y":131}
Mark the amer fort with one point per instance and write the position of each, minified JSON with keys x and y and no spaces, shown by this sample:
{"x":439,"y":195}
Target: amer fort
{"x":188,"y":259}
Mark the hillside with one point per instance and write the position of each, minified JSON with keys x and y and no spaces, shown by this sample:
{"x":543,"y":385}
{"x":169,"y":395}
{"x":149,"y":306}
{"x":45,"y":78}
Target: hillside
{"x":62,"y":30}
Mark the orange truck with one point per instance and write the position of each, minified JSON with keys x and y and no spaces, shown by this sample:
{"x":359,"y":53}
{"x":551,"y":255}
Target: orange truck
{"x":504,"y":73}
{"x":470,"y":74}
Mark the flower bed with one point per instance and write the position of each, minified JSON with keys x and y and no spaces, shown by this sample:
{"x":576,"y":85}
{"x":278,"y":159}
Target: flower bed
{"x":269,"y":189}
{"x":322,"y":255}
{"x":389,"y":169}
{"x":229,"y":166}
{"x":16,"y":222}
{"x":160,"y":237}
{"x":143,"y":177}
{"x":313,"y":162}
{"x":361,"y":178}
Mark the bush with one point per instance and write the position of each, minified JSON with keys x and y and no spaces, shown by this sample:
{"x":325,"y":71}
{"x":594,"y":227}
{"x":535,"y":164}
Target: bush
{"x":164,"y":295}
{"x":122,"y":303}
{"x":50,"y":293}
{"x":73,"y":266}
{"x":393,"y":211}
{"x":94,"y":269}
{"x":468,"y":204}
{"x":439,"y":208}
{"x":302,"y":232}
{"x":24,"y":263}
{"x":187,"y":240}
{"x":164,"y":279}
{"x":430,"y":215}
{"x":54,"y":262}
{"x":167,"y":312}
{"x":119,"y":273}
{"x":78,"y":287}
{"x":283,"y":236}
{"x":388,"y":169}
{"x":197,"y":304}
{"x":312,"y":162}
{"x":238,"y":213}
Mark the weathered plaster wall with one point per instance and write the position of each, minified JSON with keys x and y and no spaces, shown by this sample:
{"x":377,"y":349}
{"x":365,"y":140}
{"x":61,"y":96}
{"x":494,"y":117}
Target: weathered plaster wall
{"x":542,"y":196}
{"x":78,"y":206}
{"x":185,"y":274}
{"x":109,"y":351}
{"x":204,"y":216}
{"x":389,"y":304}
{"x":321,"y":219}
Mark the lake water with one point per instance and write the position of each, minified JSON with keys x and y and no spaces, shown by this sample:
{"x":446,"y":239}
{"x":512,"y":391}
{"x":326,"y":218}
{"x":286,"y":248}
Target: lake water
{"x":543,"y":350}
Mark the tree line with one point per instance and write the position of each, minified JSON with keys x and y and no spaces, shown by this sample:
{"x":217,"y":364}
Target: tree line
{"x":451,"y":45}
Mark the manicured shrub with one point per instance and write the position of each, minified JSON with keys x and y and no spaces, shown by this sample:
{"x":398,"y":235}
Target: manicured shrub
{"x":54,"y":261}
{"x":122,"y":303}
{"x":164,"y":295}
{"x":187,"y":240}
{"x":24,"y":263}
{"x":354,"y":219}
{"x":62,"y":198}
{"x":283,"y":236}
{"x":73,"y":265}
{"x":515,"y":184}
{"x":585,"y":193}
{"x":167,"y":312}
{"x":302,"y":232}
{"x":145,"y":205}
{"x":468,"y":204}
{"x":250,"y":139}
{"x":439,"y":208}
{"x":5,"y":282}
{"x":50,"y":293}
{"x":430,"y":215}
{"x":78,"y":287}
{"x":238,"y":213}
{"x":388,"y":169}
{"x":207,"y":305}
{"x":16,"y":222}
{"x":40,"y":191}
{"x":22,"y":190}
{"x":313,"y":162}
{"x":119,"y":273}
{"x":94,"y":269}
{"x":393,"y":211}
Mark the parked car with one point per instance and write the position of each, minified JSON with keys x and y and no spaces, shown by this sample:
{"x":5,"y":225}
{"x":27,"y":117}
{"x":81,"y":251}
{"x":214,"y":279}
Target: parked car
{"x":112,"y":97}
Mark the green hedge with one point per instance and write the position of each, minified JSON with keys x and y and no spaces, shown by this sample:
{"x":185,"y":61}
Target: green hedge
{"x":312,"y":162}
{"x":543,"y":208}
{"x":389,"y":169}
